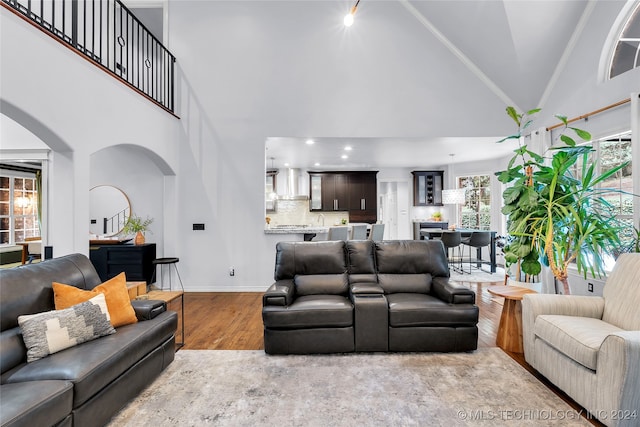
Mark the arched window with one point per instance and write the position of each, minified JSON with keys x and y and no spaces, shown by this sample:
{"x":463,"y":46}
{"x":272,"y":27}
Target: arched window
{"x":626,"y":55}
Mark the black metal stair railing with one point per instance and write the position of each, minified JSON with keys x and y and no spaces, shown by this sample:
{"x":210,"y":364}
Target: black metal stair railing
{"x":109,"y":34}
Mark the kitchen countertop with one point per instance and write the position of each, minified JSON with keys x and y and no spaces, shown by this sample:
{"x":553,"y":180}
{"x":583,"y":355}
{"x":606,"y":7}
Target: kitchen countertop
{"x":296,"y":230}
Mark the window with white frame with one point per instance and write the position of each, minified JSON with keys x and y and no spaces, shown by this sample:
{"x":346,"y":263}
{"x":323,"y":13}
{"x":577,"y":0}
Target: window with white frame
{"x":476,"y":211}
{"x":608,"y":153}
{"x":18,"y":207}
{"x":626,"y":54}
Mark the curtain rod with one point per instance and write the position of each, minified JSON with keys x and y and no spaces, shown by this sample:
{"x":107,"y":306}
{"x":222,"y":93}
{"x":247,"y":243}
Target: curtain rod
{"x":584,"y":116}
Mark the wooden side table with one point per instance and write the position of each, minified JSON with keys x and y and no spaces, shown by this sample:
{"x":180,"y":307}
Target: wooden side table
{"x":174,"y":300}
{"x":509,"y":337}
{"x":171,"y":298}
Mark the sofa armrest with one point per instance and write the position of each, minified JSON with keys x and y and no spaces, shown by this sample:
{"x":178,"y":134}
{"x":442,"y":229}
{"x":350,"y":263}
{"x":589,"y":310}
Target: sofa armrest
{"x":618,"y":376}
{"x":148,"y":309}
{"x":366,"y":288}
{"x":534,"y":305}
{"x":452,"y":293}
{"x":280,"y":293}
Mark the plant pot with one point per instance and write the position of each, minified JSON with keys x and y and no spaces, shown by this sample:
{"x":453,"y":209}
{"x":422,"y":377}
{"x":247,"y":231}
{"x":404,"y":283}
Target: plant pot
{"x":139,"y":240}
{"x":536,"y":286}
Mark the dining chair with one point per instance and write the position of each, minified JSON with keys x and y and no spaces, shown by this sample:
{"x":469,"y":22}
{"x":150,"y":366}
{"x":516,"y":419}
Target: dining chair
{"x":478,"y":240}
{"x":359,"y":232}
{"x":377,"y":232}
{"x":338,"y":233}
{"x":452,"y":240}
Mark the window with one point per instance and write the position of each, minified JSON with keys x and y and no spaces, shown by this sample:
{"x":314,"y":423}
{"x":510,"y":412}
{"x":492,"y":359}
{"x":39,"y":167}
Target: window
{"x":18,"y":208}
{"x":611,"y":152}
{"x":476,"y":211}
{"x":626,"y":55}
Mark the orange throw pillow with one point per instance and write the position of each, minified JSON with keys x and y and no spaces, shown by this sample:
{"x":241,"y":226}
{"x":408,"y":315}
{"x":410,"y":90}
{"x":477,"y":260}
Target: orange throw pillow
{"x":115,"y":293}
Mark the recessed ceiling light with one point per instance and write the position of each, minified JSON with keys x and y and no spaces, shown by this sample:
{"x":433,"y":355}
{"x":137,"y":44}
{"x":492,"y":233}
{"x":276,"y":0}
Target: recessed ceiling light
{"x":286,"y":164}
{"x":344,"y":156}
{"x":316,"y":164}
{"x":310,"y":142}
{"x":348,"y":148}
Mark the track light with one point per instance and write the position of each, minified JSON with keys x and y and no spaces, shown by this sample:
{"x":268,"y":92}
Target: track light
{"x":348,"y":18}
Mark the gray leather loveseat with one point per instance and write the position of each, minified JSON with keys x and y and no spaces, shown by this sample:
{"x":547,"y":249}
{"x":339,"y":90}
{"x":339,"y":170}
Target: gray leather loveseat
{"x":346,"y":296}
{"x":83,"y":385}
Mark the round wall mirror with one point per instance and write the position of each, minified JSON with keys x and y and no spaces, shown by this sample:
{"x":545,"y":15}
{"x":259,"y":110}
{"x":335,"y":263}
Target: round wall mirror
{"x":109,"y":209}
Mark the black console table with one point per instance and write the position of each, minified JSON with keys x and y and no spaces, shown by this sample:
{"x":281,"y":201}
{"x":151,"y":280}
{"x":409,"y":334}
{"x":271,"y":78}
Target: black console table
{"x":135,"y":260}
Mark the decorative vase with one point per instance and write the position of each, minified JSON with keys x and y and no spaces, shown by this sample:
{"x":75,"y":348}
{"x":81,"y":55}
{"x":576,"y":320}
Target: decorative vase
{"x":139,"y":240}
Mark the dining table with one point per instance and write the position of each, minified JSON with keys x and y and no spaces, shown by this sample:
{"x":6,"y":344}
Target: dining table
{"x":432,"y":233}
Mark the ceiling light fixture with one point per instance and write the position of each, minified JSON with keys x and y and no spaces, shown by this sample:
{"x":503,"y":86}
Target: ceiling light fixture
{"x":310,"y":142}
{"x":347,"y":148}
{"x":348,"y":18}
{"x":344,"y":156}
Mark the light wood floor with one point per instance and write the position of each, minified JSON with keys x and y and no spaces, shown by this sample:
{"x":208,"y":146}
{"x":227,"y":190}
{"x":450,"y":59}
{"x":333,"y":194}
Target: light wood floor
{"x":233,"y":321}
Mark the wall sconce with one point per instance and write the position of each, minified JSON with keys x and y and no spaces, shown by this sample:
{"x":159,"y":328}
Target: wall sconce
{"x":454,"y":197}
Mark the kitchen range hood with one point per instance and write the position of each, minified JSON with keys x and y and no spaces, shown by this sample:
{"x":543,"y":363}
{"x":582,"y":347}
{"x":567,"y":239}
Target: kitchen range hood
{"x":293,"y":186}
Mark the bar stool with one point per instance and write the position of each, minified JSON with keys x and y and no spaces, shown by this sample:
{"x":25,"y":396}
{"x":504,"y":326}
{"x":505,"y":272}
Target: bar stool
{"x":166,"y":262}
{"x":452,"y":240}
{"x":478,"y":240}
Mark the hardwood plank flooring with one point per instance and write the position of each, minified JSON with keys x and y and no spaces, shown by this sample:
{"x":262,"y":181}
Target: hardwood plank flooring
{"x":233,"y":321}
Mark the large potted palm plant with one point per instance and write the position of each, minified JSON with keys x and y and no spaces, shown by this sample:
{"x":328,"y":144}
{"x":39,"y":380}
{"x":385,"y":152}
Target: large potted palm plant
{"x":556,"y":211}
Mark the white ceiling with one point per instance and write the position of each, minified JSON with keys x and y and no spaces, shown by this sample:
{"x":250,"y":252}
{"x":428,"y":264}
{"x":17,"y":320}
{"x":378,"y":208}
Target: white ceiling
{"x":372,"y":153}
{"x":495,"y":52}
{"x":411,"y":82}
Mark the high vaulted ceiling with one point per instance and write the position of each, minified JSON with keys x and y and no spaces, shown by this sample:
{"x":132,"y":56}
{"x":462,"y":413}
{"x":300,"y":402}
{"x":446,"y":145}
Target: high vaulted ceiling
{"x":423,"y":73}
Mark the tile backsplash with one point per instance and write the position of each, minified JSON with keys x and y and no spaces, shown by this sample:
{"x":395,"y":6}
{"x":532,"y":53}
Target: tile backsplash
{"x":296,"y":212}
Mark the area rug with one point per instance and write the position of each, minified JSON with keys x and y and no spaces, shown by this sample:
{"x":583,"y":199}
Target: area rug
{"x":250,"y":388}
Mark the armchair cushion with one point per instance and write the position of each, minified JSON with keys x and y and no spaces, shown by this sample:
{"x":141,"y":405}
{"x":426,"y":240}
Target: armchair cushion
{"x":362,"y":288}
{"x":411,"y":283}
{"x":148,"y":309}
{"x":621,"y":295}
{"x":280,"y":293}
{"x":579,"y":338}
{"x":407,"y":309}
{"x":321,"y":284}
{"x":451,"y":292}
{"x":310,"y":311}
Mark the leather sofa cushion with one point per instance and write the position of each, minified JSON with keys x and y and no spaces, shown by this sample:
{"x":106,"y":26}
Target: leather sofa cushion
{"x":94,"y":364}
{"x":412,"y":257}
{"x":293,"y":258}
{"x":321,"y":284}
{"x":406,"y":310}
{"x":578,"y":338}
{"x":13,"y":351}
{"x":23,"y":291}
{"x":361,"y":257}
{"x":412,"y":283}
{"x":35,"y":403}
{"x":311,"y":311}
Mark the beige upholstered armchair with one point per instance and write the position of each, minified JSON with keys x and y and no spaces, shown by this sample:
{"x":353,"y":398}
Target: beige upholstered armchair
{"x":590,"y":346}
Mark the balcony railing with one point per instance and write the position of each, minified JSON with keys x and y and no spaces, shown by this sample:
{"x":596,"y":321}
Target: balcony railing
{"x":106,"y":32}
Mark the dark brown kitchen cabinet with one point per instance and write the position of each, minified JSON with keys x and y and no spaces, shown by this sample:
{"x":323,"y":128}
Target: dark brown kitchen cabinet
{"x":355,"y":192}
{"x":335,"y":192}
{"x":363,"y":197}
{"x":427,"y":188}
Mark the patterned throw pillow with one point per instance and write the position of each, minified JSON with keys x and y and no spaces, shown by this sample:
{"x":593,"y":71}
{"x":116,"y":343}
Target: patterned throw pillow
{"x":49,"y":332}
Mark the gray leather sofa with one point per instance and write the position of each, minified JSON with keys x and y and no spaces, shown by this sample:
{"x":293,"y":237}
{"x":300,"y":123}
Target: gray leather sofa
{"x":346,"y":296}
{"x":83,"y":385}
